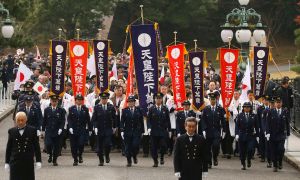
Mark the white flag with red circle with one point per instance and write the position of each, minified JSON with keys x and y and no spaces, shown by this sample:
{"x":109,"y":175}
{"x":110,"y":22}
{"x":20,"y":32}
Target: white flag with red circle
{"x":39,"y":88}
{"x":23,"y":74}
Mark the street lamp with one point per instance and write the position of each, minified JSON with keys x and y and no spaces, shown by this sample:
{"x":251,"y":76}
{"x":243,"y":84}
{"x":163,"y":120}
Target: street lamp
{"x":7,"y":29}
{"x":243,"y":21}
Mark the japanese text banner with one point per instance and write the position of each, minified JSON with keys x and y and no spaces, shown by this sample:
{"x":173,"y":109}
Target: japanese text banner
{"x":58,"y":66}
{"x":144,"y":48}
{"x":78,"y":65}
{"x":176,"y":64}
{"x":196,"y":60}
{"x":228,"y":63}
{"x":101,"y":61}
{"x":261,"y":56}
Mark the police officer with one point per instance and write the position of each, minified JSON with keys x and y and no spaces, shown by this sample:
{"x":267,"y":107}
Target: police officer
{"x":159,"y":128}
{"x":78,"y":122}
{"x":213,"y":120}
{"x":33,"y":113}
{"x":181,"y":117}
{"x":264,"y":120}
{"x":246,"y":130}
{"x":104,"y":121}
{"x":29,"y":91}
{"x":53,"y":123}
{"x":277,"y":130}
{"x":22,"y":146}
{"x":262,"y":126}
{"x":132,"y":128}
{"x":190,"y":153}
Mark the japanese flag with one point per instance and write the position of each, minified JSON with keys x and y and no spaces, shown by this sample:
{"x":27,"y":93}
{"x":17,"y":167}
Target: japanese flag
{"x":38,"y":55}
{"x":23,"y":75}
{"x":91,"y":66}
{"x":114,"y":71}
{"x":162,"y":75}
{"x":246,"y":83}
{"x":39,"y":88}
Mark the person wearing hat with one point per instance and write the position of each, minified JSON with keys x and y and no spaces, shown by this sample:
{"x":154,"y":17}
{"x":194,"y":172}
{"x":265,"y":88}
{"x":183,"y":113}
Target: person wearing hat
{"x":262,"y":126}
{"x":190,"y":156}
{"x":29,"y":91}
{"x":277,"y":131}
{"x":285,"y":92}
{"x":159,"y":128}
{"x":132,"y":128}
{"x":266,"y":112}
{"x":53,"y":124}
{"x":78,"y":120}
{"x":181,"y":117}
{"x":246,"y":130}
{"x":22,"y":146}
{"x":213,"y":120}
{"x":33,"y":113}
{"x":104,"y":122}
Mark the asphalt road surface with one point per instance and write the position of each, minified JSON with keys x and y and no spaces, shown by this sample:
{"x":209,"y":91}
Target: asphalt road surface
{"x":116,"y":170}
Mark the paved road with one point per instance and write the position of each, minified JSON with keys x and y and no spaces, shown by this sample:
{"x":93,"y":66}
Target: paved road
{"x":116,"y":170}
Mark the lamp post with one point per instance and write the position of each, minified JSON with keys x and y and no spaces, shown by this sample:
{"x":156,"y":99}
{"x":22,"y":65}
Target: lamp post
{"x":7,"y":29}
{"x":243,"y":21}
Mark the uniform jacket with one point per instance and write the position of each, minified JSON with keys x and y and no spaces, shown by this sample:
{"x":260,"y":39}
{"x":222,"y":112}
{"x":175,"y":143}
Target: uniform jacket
{"x":105,"y":121}
{"x":278,"y":126}
{"x":132,"y":124}
{"x":159,"y":122}
{"x":190,"y":157}
{"x":213,"y":122}
{"x":34,"y":117}
{"x":79,"y":121}
{"x":180,"y":120}
{"x":246,"y":129}
{"x":53,"y":121}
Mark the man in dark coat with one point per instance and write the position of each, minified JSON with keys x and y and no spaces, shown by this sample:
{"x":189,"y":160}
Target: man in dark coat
{"x":78,"y":121}
{"x":132,"y":128}
{"x":277,"y":130}
{"x":104,"y":122}
{"x":5,"y":79}
{"x":22,"y":146}
{"x":190,"y":153}
{"x":285,"y":92}
{"x":246,"y":130}
{"x":53,"y":123}
{"x":159,"y":128}
{"x":213,"y":120}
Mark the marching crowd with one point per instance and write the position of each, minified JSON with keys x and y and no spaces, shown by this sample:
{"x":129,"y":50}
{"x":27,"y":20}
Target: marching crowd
{"x":102,"y":121}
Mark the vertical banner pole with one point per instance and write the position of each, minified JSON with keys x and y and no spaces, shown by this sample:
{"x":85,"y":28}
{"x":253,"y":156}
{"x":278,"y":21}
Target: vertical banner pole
{"x":59,"y":34}
{"x":142,"y":13}
{"x":99,"y":34}
{"x":195,"y":41}
{"x":175,"y":37}
{"x":78,"y":31}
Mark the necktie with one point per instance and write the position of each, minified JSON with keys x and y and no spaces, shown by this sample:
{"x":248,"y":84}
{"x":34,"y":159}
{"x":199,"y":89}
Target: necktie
{"x":278,"y":112}
{"x":132,"y":111}
{"x":247,"y":116}
{"x":159,"y":109}
{"x":213,"y":109}
{"x":53,"y":109}
{"x":28,"y":110}
{"x":104,"y":107}
{"x":186,"y":113}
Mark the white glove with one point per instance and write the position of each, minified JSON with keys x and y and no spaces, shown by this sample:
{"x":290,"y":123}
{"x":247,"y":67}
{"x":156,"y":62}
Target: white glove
{"x":170,"y":134}
{"x":204,"y":174}
{"x":38,"y":132}
{"x":6,"y":167}
{"x":71,"y":131}
{"x":178,"y":134}
{"x":204,"y":134}
{"x":59,"y":131}
{"x":223,"y":135}
{"x":177,"y":174}
{"x":199,"y":113}
{"x":114,"y":130}
{"x":90,"y":133}
{"x":257,"y":139}
{"x":38,"y":165}
{"x":96,"y":131}
{"x":237,"y":137}
{"x":122,"y":135}
{"x":149,"y":130}
{"x":268,"y":137}
{"x":197,"y":119}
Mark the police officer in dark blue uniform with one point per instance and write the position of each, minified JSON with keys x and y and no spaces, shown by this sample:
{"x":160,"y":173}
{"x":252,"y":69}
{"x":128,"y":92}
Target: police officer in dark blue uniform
{"x":78,"y":121}
{"x":264,"y":121}
{"x":104,"y":121}
{"x":277,"y":130}
{"x":213,"y":120}
{"x":246,"y":130}
{"x":33,"y":113}
{"x":132,"y":128}
{"x":159,"y":127}
{"x":29,"y":91}
{"x":181,"y":117}
{"x":53,"y":123}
